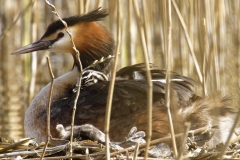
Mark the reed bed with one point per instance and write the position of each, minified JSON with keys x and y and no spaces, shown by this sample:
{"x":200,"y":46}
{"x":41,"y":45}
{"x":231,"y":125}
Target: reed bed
{"x":198,"y":39}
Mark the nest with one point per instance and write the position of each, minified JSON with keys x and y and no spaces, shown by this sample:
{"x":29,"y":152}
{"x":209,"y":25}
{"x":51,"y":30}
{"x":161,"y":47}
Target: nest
{"x":195,"y":146}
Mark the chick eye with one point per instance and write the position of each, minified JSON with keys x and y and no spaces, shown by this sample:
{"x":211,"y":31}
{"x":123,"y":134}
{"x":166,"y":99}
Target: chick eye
{"x":60,"y":35}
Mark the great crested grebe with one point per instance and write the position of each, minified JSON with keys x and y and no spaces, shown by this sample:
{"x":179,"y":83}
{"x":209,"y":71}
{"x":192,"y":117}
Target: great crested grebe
{"x":129,"y":100}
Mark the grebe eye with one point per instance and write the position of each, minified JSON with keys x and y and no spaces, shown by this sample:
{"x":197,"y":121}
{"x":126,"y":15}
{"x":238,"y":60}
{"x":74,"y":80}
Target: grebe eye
{"x":60,"y":35}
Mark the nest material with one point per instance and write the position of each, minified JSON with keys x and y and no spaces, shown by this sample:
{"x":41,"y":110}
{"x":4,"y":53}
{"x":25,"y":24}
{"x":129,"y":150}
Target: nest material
{"x":196,"y":147}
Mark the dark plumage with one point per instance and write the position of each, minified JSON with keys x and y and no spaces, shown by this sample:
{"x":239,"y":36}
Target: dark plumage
{"x":129,"y":103}
{"x":179,"y":83}
{"x":92,"y":16}
{"x":137,"y":71}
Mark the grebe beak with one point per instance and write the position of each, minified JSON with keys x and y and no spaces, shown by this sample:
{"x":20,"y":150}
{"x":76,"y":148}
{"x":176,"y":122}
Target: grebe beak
{"x":36,"y":46}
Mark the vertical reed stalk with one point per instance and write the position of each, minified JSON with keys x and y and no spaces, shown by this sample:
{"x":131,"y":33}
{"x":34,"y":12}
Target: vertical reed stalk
{"x":49,"y":107}
{"x":188,"y":40}
{"x":112,"y":82}
{"x":167,"y":88}
{"x":149,"y":78}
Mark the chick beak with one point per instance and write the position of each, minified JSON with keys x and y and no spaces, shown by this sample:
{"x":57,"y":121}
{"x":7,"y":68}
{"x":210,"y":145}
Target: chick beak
{"x":36,"y":46}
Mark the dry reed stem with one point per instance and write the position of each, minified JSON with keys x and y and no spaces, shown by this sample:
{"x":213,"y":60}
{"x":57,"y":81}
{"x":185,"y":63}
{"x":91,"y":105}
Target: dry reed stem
{"x":149,"y":78}
{"x":14,"y":145}
{"x":221,"y":38}
{"x":86,"y":154}
{"x":167,"y":89}
{"x":184,"y":139}
{"x":230,"y":135}
{"x":100,"y":3}
{"x":188,"y":40}
{"x":80,"y":75}
{"x":213,"y":46}
{"x":146,"y":20}
{"x":136,"y":151}
{"x":50,"y":151}
{"x":49,"y":106}
{"x":86,"y":6}
{"x":234,"y":140}
{"x":80,"y":6}
{"x":204,"y":86}
{"x":130,"y":157}
{"x":112,"y":82}
{"x":93,"y":155}
{"x":29,"y":153}
{"x":6,"y":31}
{"x":34,"y":26}
{"x":129,"y":33}
{"x":238,"y":54}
